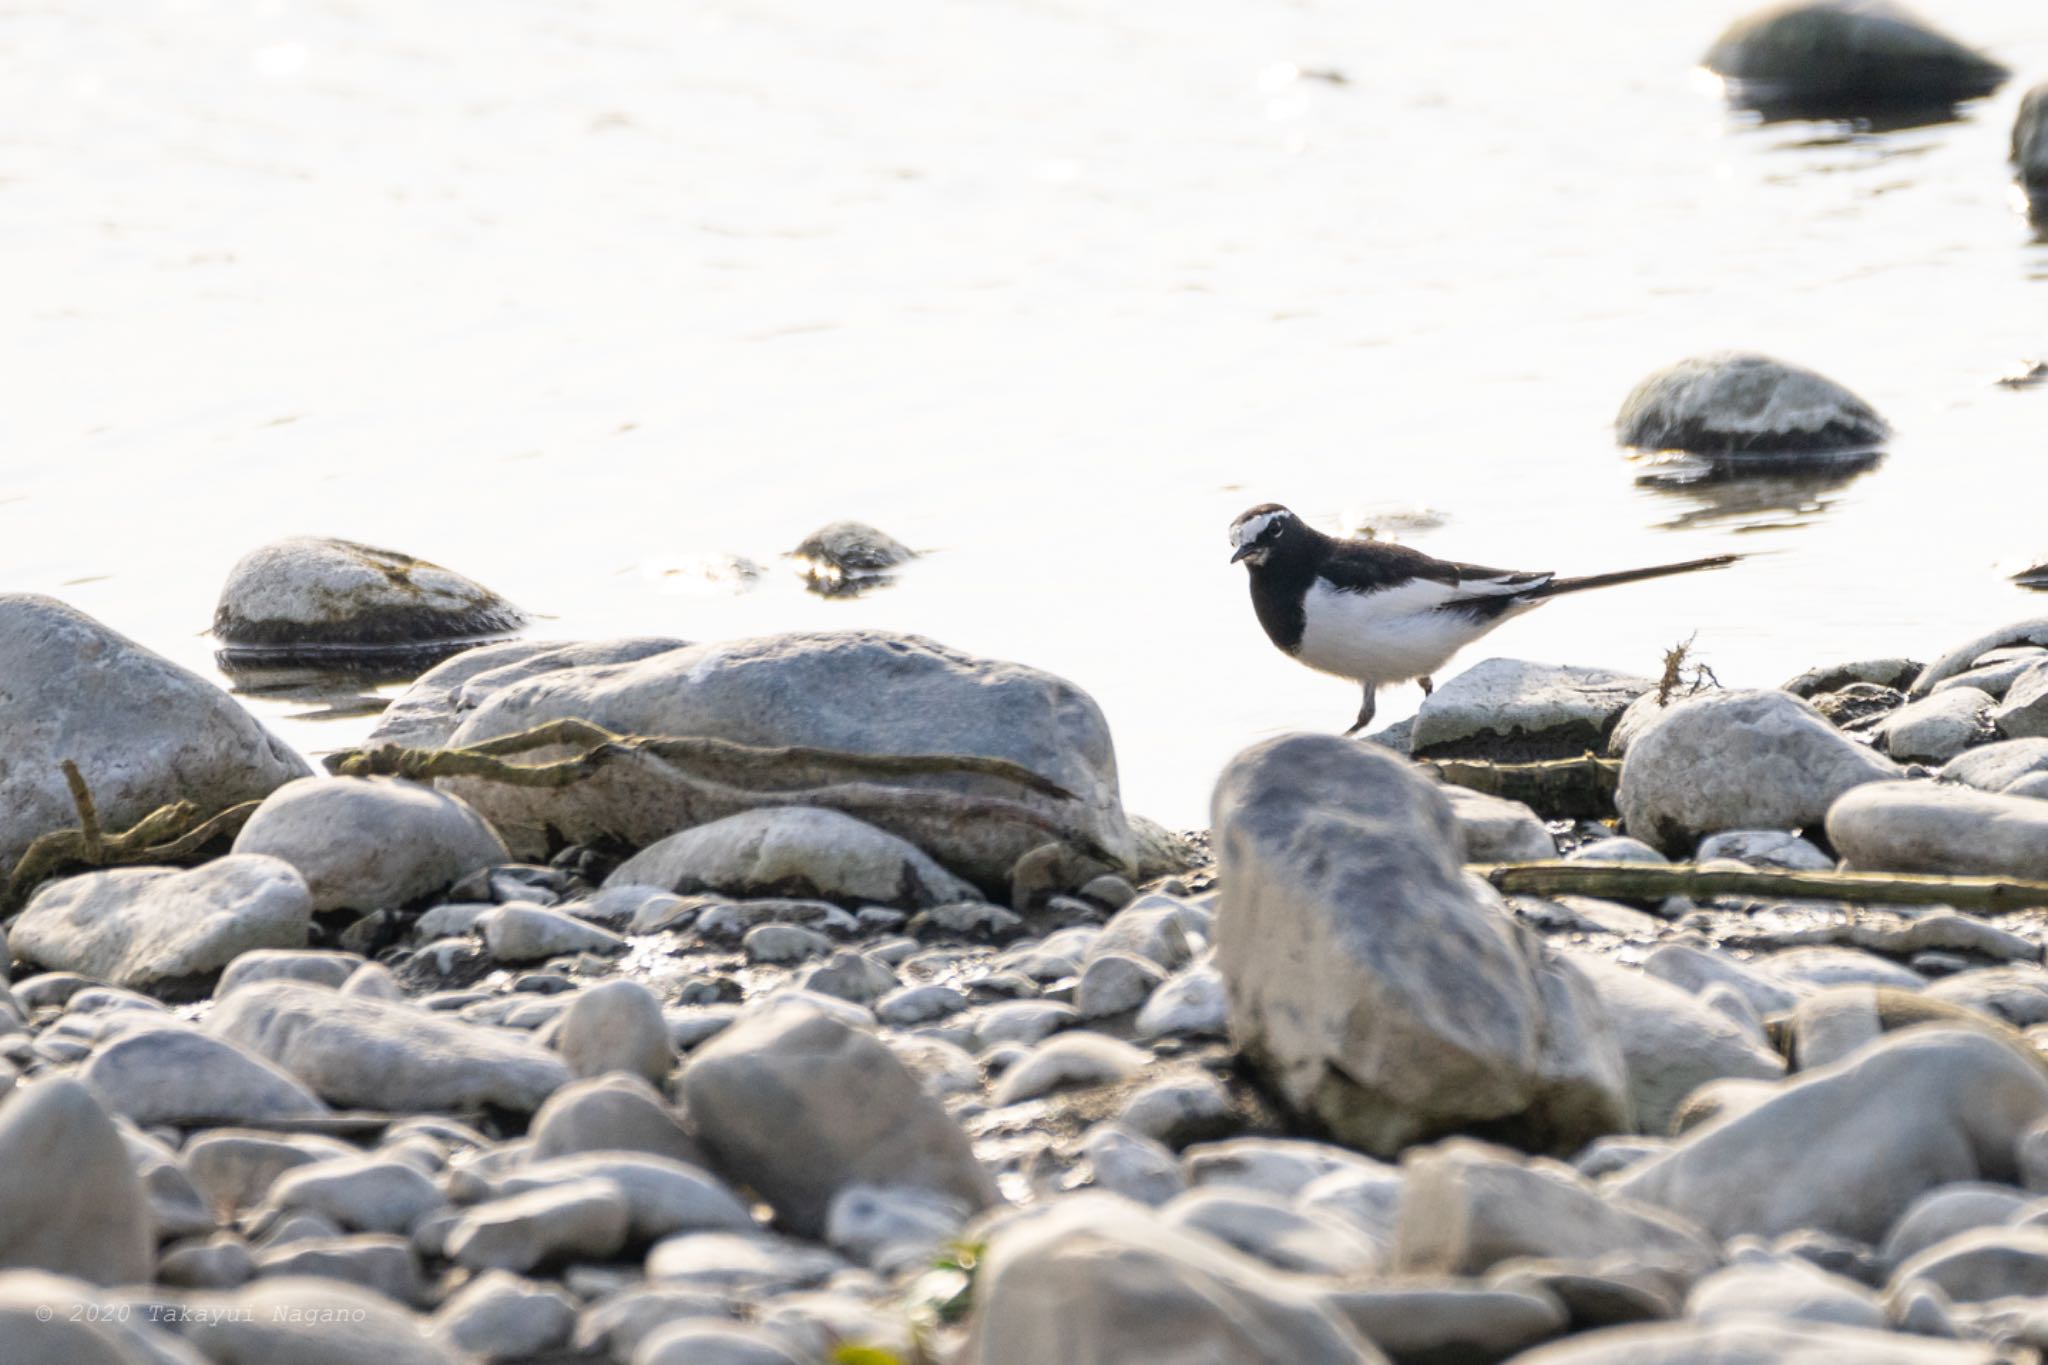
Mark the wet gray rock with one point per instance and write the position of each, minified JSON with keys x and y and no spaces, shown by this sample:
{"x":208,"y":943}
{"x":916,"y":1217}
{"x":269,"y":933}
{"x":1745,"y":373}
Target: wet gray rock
{"x":1929,"y":827}
{"x":617,"y":1112}
{"x":1178,"y":1108}
{"x":312,"y":965}
{"x":427,"y":714}
{"x":1673,"y":1042}
{"x":1192,"y":1002}
{"x":1367,"y":978}
{"x":910,"y":1005}
{"x":1132,"y":1166}
{"x":1752,"y":1339}
{"x":581,"y":1218}
{"x":849,"y":975}
{"x":2028,"y":635}
{"x":616,"y":1026}
{"x":663,"y":1197}
{"x":1095,"y":1280}
{"x":143,"y":731}
{"x":178,"y":1075}
{"x":1737,"y":760}
{"x":361,"y":1052}
{"x":1496,"y":830}
{"x":795,"y":851}
{"x":1267,"y":1228}
{"x":534,"y":933}
{"x":891,"y":695}
{"x":1842,"y":58}
{"x":1947,"y":1210}
{"x":309,"y":595}
{"x":1116,"y":983}
{"x":1847,"y":1148}
{"x":371,"y":843}
{"x":162,"y":928}
{"x":1467,"y":1206}
{"x":877,"y":1226}
{"x":799,"y":1105}
{"x":1937,"y":727}
{"x":2023,"y":713}
{"x":295,"y":1318}
{"x":70,"y":1201}
{"x":500,"y":1316}
{"x":2018,"y":767}
{"x":1077,"y":1058}
{"x":1736,"y":403}
{"x":1766,"y":848}
{"x":1787,"y":1288}
{"x":850,"y":549}
{"x":1516,"y":709}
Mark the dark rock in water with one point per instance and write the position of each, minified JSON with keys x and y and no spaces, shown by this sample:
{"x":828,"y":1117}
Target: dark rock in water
{"x":2030,"y":374}
{"x":313,"y":600}
{"x":2034,"y":576}
{"x":2030,"y":158}
{"x":849,"y":557}
{"x":1848,"y":59}
{"x":1741,"y":414}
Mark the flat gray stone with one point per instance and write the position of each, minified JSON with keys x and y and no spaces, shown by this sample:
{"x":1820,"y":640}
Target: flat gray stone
{"x":1518,"y":709}
{"x":1929,"y":827}
{"x":795,"y":851}
{"x":178,"y":1075}
{"x":160,"y":927}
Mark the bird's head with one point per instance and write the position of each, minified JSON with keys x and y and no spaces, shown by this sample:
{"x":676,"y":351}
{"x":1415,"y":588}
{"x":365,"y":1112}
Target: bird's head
{"x":1257,"y":533}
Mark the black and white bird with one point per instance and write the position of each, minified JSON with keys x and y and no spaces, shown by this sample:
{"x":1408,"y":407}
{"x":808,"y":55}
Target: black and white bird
{"x":1378,"y":613}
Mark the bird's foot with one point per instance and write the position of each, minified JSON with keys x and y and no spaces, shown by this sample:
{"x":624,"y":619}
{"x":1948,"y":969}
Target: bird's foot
{"x":1427,"y":685}
{"x":1364,"y":712}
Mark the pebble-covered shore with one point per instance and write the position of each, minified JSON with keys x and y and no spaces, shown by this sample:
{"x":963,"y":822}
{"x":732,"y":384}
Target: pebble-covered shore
{"x":654,"y":1070}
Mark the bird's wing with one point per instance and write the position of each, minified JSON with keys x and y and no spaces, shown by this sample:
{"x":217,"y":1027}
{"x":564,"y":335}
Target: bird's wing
{"x":1373,"y":566}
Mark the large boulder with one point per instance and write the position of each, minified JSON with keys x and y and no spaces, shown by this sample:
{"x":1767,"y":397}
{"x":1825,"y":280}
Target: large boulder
{"x":1842,"y":58}
{"x":860,"y":691}
{"x":363,"y":1052}
{"x":70,"y":1201}
{"x":1929,"y":827}
{"x":795,"y":851}
{"x":313,"y":597}
{"x":160,"y":928}
{"x":800,"y":1104}
{"x":1376,"y":988}
{"x":1736,"y":404}
{"x":1737,"y":760}
{"x":1511,"y":708}
{"x":1096,"y":1280}
{"x":1847,"y":1148}
{"x":371,"y":843}
{"x":428,"y":713}
{"x":143,"y":731}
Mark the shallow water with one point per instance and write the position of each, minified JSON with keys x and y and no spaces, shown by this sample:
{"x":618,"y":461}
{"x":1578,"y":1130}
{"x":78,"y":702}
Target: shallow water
{"x":580,"y":297}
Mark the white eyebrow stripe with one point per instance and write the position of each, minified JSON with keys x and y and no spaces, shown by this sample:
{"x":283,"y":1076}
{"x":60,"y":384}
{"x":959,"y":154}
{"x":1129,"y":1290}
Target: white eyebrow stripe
{"x":1250,"y":529}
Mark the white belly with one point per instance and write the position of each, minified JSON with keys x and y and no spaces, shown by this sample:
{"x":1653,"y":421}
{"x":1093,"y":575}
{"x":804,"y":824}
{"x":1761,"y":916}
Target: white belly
{"x":1392,"y":635}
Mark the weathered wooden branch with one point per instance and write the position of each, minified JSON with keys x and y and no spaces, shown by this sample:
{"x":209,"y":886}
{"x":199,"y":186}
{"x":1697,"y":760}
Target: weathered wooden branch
{"x":1575,"y":788}
{"x":167,"y":834}
{"x":680,"y":750}
{"x":1655,"y":881}
{"x":707,"y":768}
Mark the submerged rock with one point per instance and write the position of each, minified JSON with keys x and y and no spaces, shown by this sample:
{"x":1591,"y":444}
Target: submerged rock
{"x":1371,"y":984}
{"x":846,"y":557}
{"x":1847,"y":58}
{"x":313,"y":598}
{"x":1748,"y":412}
{"x":143,"y":731}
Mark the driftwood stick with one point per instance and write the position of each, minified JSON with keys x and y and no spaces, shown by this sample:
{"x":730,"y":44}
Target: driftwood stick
{"x":685,"y":751}
{"x":1581,"y":787}
{"x":167,"y":834}
{"x":1654,"y":881}
{"x":88,"y":815}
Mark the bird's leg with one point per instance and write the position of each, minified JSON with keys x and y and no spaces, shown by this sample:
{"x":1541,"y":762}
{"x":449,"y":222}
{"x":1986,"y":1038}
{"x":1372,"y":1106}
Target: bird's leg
{"x":1427,"y":685}
{"x":1365,"y":711}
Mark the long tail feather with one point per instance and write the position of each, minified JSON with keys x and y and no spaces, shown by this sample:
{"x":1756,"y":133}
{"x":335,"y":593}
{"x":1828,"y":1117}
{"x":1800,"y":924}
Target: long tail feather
{"x":1608,"y":580}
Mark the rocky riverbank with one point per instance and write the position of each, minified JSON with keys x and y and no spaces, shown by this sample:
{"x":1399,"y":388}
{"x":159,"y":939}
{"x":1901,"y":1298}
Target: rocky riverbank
{"x":753,"y":1040}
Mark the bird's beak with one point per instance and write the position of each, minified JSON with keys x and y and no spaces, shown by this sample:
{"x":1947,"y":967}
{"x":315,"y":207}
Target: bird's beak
{"x":1242,"y":551}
